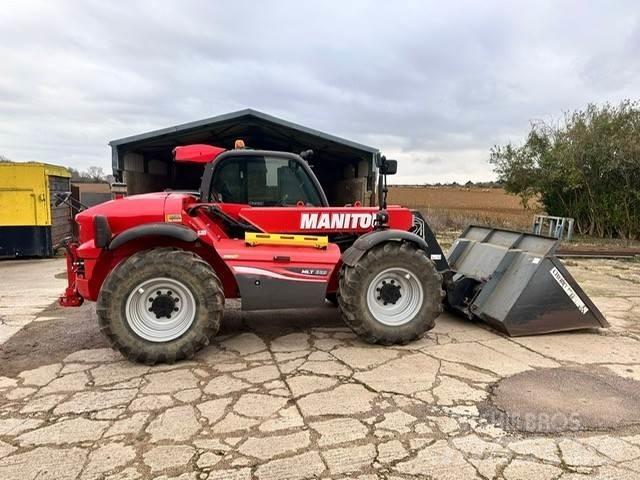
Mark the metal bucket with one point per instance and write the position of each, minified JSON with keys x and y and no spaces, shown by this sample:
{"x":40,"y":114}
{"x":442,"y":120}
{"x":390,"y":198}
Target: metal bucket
{"x":513,"y":282}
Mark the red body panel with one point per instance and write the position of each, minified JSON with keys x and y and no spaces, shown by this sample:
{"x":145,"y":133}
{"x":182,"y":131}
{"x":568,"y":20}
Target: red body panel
{"x":298,"y":275}
{"x":224,"y":253}
{"x":125,"y":213}
{"x":237,"y":254}
{"x":280,"y":277}
{"x":322,"y":220}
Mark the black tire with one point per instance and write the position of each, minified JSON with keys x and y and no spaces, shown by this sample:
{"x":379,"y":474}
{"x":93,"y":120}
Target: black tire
{"x":185,"y":267}
{"x":355,"y":281}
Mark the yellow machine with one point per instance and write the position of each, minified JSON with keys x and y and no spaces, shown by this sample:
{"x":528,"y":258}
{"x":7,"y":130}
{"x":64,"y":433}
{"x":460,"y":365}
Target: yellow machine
{"x":30,"y":222}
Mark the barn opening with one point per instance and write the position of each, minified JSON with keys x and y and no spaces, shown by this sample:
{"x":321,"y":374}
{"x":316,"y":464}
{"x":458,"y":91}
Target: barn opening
{"x":346,"y":169}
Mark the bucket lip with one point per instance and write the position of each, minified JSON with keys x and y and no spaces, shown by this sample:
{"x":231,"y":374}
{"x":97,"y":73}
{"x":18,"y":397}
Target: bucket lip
{"x":594,"y":318}
{"x":602,"y":320}
{"x":499,"y":229}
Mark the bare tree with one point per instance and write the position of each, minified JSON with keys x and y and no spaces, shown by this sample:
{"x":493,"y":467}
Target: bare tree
{"x":95,"y":173}
{"x":91,"y":174}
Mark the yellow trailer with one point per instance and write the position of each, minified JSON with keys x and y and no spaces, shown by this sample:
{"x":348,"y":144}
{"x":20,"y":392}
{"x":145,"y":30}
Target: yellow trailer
{"x":30,"y":222}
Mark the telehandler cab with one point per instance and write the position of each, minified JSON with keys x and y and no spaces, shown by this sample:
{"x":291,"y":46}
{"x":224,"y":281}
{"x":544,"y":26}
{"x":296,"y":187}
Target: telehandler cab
{"x":260,"y":228}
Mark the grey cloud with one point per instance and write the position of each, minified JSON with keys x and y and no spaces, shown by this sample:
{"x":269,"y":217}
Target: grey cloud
{"x":422,"y":81}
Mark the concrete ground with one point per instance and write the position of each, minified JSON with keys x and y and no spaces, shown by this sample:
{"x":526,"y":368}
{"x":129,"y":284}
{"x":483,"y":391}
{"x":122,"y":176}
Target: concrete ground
{"x":293,"y":395}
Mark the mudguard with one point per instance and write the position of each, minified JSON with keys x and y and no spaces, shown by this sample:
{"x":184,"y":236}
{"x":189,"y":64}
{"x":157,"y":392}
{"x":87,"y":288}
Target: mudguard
{"x":172,"y":230}
{"x":423,"y":238}
{"x":369,"y":240}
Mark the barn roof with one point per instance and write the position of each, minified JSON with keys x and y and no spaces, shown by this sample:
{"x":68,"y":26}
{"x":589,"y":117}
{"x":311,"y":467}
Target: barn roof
{"x":224,"y":128}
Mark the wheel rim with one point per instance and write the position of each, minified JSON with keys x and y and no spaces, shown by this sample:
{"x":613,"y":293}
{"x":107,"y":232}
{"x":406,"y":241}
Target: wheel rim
{"x":160,"y":309}
{"x":394,"y":296}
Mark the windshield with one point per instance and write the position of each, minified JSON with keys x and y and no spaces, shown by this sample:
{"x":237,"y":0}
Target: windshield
{"x":264,"y":181}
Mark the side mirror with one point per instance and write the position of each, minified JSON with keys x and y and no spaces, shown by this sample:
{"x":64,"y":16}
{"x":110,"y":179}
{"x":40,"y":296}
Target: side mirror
{"x":306,"y":155}
{"x":388,"y":167}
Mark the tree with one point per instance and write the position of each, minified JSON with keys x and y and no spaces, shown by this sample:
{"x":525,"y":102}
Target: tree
{"x":4,"y":159}
{"x":92,"y":174}
{"x":586,"y":167}
{"x":75,"y":174}
{"x":95,"y":173}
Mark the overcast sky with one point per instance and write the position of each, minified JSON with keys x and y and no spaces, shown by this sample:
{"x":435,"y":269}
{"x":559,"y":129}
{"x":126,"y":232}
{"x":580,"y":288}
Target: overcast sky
{"x":432,"y":85}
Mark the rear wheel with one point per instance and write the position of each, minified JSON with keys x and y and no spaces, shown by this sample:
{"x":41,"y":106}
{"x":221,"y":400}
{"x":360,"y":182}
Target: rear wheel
{"x":160,"y":305}
{"x":392,"y":295}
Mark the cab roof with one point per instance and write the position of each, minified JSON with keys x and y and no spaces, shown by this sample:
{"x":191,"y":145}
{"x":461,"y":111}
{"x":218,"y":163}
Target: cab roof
{"x":198,"y":153}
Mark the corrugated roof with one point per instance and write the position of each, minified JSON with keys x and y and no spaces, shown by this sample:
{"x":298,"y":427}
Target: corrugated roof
{"x":247,"y":112}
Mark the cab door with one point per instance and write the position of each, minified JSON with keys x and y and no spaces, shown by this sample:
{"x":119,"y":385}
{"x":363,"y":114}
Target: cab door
{"x":269,"y":276}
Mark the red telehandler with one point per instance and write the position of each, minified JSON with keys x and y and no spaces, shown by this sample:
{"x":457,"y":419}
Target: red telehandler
{"x":260,"y":228}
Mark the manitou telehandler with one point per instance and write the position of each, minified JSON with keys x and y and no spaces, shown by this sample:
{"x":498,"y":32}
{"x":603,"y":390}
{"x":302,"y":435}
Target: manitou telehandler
{"x":160,"y":265}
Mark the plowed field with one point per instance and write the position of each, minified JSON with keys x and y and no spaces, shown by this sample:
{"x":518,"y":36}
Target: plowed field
{"x":455,"y":207}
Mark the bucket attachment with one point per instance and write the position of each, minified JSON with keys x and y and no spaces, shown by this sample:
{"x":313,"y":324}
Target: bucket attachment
{"x":514,"y":282}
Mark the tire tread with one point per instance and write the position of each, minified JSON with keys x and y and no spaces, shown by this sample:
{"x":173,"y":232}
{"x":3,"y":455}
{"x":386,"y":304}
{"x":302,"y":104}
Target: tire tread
{"x":352,"y":291}
{"x":186,"y":346}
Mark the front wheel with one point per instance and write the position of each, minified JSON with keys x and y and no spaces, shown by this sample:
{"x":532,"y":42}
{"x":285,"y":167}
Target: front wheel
{"x":160,"y":305}
{"x":392,"y":295}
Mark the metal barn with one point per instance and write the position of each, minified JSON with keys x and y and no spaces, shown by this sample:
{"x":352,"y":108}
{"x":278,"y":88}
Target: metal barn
{"x":346,"y":169}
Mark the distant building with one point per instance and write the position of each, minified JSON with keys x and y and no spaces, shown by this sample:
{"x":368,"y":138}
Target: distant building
{"x":90,"y":193}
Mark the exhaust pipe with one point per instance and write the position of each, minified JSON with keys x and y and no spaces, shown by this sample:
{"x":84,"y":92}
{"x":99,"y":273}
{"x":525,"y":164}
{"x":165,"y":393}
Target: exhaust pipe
{"x":514,"y":282}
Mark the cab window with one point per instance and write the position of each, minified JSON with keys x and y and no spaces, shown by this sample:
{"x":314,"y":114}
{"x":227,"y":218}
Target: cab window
{"x":263,"y":182}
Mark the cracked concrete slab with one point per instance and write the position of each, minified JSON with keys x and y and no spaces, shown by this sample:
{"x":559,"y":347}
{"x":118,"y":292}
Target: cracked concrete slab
{"x":349,"y":459}
{"x":343,"y":400}
{"x":245,"y":344}
{"x":451,"y":391}
{"x":396,"y":421}
{"x":364,"y":357}
{"x":73,"y":430}
{"x":44,"y":463}
{"x":408,"y":375}
{"x":266,"y":448}
{"x":391,"y":451}
{"x":438,"y":461}
{"x":291,"y":396}
{"x":170,"y":382}
{"x":541,"y":448}
{"x":213,"y":410}
{"x":480,"y":356}
{"x":176,"y":423}
{"x":297,"y":467}
{"x":107,"y":458}
{"x":94,"y":401}
{"x":303,"y":384}
{"x":339,"y":430}
{"x":167,"y":457}
{"x":259,"y":405}
{"x":570,"y":347}
{"x":519,"y":469}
